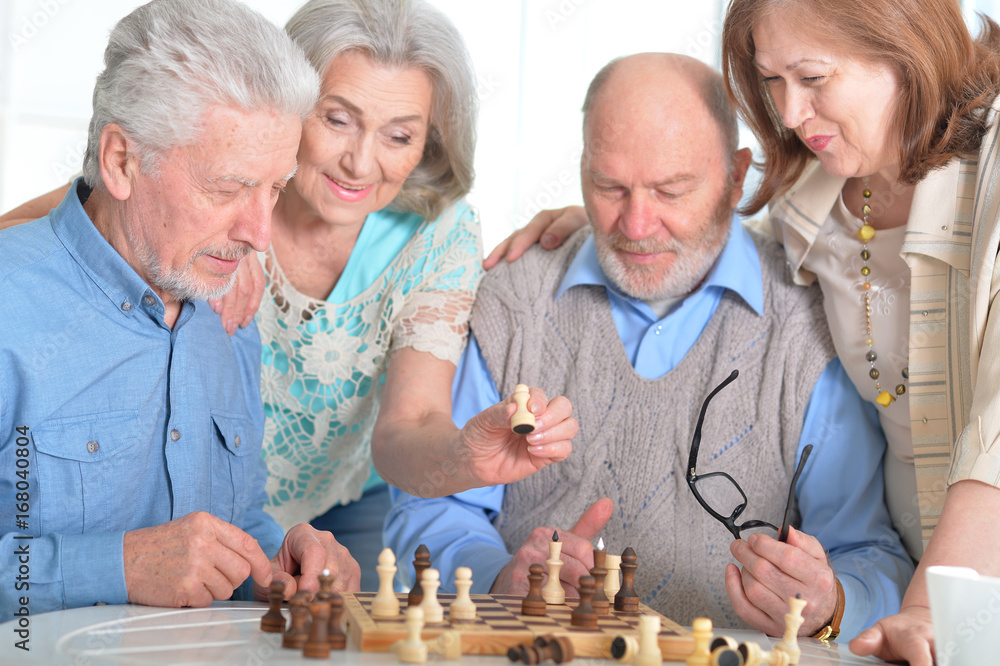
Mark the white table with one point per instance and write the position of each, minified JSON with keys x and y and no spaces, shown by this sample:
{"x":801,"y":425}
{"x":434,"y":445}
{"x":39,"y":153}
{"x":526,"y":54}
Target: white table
{"x":229,"y":633}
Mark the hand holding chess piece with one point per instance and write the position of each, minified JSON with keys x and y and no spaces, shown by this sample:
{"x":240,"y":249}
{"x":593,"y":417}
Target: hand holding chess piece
{"x":576,"y":552}
{"x":799,"y":566}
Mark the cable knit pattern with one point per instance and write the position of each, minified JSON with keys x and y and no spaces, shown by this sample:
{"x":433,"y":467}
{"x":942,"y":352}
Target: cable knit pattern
{"x":635,"y":434}
{"x":323,"y":363}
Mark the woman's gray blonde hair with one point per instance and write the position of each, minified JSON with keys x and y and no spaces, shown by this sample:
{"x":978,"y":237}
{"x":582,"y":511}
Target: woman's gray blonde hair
{"x":407,"y":33}
{"x":169,"y":61}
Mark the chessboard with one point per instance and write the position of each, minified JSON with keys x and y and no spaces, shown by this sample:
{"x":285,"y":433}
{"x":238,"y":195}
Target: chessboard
{"x":499,"y":625}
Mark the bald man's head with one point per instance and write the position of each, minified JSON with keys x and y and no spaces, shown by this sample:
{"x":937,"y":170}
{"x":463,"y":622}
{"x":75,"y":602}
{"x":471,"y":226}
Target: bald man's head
{"x":633,"y":72}
{"x":660,"y":172}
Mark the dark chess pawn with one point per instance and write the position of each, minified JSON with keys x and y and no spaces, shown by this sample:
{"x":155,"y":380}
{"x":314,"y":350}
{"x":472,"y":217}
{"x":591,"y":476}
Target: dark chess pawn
{"x":534,"y":603}
{"x":318,"y":645}
{"x":421,"y":561}
{"x":335,"y":632}
{"x":557,"y":648}
{"x":627,"y":601}
{"x":273,"y":621}
{"x":298,"y":631}
{"x":584,"y":614}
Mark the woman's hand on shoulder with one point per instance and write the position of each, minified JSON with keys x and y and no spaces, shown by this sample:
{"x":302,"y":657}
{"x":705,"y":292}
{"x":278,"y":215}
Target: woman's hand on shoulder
{"x":238,"y":307}
{"x":550,"y":228}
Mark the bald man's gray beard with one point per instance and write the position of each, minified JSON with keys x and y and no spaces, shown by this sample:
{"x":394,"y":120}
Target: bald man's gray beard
{"x":691,"y":263}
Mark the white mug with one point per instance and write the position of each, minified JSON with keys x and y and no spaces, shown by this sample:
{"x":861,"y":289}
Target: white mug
{"x":965,"y":610}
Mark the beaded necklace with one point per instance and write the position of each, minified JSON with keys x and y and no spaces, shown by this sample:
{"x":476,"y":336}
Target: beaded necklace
{"x":865,"y":234}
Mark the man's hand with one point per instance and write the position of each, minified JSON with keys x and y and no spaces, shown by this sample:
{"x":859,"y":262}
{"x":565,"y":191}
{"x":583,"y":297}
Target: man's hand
{"x":240,"y":304}
{"x":496,"y":455}
{"x":550,"y":227}
{"x":303,"y":555}
{"x":774,"y":571}
{"x":907,"y":636}
{"x":190,"y":561}
{"x":577,"y":552}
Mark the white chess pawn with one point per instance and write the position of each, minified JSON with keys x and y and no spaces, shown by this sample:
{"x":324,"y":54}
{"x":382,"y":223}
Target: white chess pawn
{"x":612,"y":582}
{"x":462,"y":607}
{"x":412,"y":650}
{"x":385,"y":604}
{"x":433,"y":610}
{"x":553,"y":591}
{"x":649,"y":644}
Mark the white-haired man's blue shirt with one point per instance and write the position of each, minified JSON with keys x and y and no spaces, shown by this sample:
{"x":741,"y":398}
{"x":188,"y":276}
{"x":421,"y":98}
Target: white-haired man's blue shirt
{"x":110,"y":421}
{"x":840,"y":493}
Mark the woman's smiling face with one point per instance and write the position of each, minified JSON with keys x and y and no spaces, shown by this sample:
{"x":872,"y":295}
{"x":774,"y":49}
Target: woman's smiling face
{"x":839,"y":107}
{"x":365,"y":137}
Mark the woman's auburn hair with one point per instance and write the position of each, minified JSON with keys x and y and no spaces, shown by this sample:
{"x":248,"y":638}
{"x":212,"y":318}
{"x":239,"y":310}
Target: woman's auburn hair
{"x":947,"y":80}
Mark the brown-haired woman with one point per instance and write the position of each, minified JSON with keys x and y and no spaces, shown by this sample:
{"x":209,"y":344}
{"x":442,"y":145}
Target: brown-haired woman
{"x":881,"y":161}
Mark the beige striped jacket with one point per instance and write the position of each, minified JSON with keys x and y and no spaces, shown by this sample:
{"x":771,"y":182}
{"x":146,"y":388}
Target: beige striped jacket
{"x":951,"y":245}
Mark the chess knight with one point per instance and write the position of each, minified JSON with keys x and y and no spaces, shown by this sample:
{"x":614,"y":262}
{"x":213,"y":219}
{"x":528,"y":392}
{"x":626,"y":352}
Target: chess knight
{"x":636,"y":319}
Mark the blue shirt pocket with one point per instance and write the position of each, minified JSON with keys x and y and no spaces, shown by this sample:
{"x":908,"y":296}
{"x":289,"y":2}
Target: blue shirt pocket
{"x":89,"y":470}
{"x":235,"y":456}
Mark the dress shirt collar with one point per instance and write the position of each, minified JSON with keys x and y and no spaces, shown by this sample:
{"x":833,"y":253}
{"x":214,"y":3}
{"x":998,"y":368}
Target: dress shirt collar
{"x":110,"y":272}
{"x":738,"y":260}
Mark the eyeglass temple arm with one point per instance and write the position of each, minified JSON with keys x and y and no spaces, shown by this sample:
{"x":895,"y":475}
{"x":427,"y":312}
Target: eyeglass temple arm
{"x":696,"y":441}
{"x":791,"y":503}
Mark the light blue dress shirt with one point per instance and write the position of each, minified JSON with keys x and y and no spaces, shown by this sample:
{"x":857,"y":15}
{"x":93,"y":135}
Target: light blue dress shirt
{"x":840,"y":492}
{"x":109,"y":420}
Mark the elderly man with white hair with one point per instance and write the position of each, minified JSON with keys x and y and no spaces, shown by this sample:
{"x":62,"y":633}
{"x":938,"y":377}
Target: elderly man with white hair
{"x":130,"y":422}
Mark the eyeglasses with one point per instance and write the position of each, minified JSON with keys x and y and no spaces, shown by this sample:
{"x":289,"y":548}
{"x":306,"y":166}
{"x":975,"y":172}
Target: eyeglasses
{"x":718,"y":490}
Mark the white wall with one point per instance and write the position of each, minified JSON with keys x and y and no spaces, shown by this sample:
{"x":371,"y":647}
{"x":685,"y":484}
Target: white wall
{"x":534,"y":60}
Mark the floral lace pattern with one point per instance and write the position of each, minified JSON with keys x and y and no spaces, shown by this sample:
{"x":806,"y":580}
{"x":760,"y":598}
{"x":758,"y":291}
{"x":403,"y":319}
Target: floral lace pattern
{"x":323,"y":363}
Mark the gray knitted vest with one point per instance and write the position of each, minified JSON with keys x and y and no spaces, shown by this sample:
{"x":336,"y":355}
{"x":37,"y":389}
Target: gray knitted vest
{"x":635,"y":434}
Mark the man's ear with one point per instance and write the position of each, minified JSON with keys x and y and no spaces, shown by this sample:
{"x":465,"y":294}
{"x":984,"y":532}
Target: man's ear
{"x":118,"y":164}
{"x":741,"y":164}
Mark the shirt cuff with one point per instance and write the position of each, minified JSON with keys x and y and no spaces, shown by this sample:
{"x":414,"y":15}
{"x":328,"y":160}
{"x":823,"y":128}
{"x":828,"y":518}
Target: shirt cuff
{"x":488,"y":566}
{"x":855,"y":618}
{"x":973,"y":461}
{"x":93,"y":568}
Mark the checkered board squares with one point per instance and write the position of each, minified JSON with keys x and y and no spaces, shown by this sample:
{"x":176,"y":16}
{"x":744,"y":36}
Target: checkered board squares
{"x":500,"y":625}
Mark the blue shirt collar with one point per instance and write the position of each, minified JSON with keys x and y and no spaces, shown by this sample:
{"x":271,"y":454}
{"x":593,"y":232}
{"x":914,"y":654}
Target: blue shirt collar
{"x":108,"y":269}
{"x":738,"y":270}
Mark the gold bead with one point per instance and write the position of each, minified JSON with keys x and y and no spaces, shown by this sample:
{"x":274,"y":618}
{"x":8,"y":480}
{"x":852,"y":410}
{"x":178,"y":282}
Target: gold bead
{"x":866,"y":209}
{"x":906,"y":373}
{"x":866,"y":233}
{"x":885,"y":398}
{"x":869,"y":341}
{"x":865,"y":271}
{"x":867,"y":194}
{"x":873,"y":373}
{"x":866,"y":286}
{"x":900,"y":389}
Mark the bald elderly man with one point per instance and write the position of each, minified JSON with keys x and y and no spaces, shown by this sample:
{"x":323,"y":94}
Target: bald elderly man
{"x":637,"y":319}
